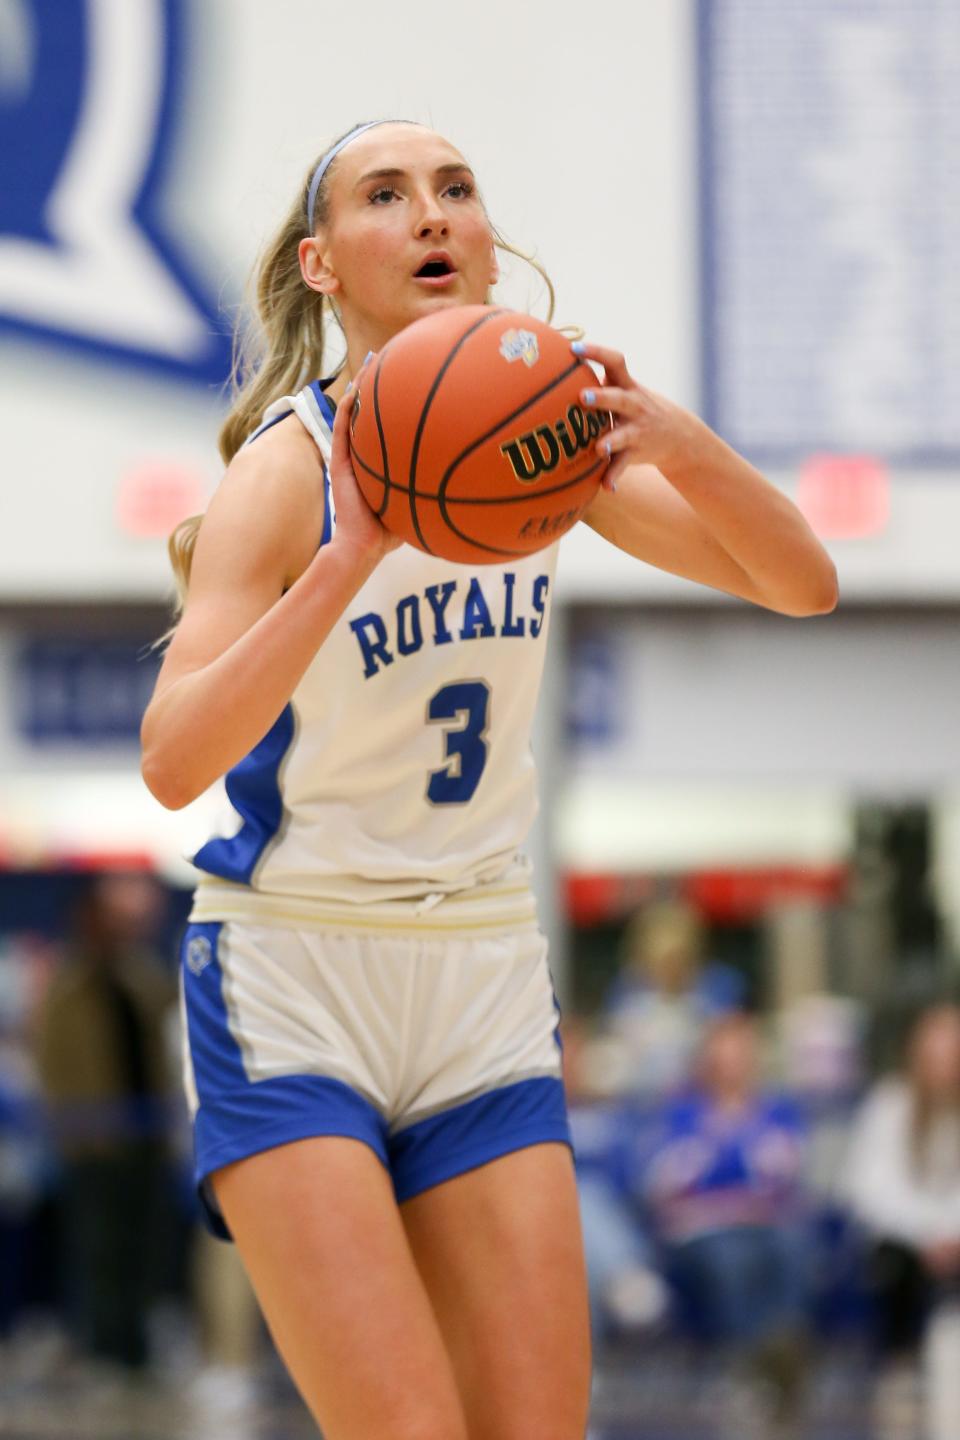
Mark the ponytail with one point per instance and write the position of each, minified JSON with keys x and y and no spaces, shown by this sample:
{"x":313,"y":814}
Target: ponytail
{"x":285,"y":349}
{"x":271,"y":357}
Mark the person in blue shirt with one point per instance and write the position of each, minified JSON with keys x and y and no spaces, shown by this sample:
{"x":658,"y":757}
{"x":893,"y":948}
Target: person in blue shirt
{"x":724,"y":1188}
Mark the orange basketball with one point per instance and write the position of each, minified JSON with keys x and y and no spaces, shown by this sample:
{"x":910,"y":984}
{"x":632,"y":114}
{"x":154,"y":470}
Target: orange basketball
{"x":469,"y":438}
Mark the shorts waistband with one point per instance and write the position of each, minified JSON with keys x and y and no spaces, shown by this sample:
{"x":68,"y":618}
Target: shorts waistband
{"x":485,"y":910}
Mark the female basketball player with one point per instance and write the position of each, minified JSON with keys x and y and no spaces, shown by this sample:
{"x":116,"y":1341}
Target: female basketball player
{"x":372,"y":1056}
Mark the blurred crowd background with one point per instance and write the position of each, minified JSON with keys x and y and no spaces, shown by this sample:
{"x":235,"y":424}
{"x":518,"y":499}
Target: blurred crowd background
{"x":767,"y":1135}
{"x":748,"y":853}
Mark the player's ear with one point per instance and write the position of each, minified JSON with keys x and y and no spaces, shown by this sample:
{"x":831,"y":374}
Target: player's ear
{"x":494,"y":267}
{"x":315,"y":268}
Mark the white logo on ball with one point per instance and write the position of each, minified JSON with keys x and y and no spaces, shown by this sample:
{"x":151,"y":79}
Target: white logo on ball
{"x":520,"y":345}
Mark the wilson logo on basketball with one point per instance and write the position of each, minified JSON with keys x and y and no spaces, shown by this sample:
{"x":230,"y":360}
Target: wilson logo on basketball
{"x":539,"y":451}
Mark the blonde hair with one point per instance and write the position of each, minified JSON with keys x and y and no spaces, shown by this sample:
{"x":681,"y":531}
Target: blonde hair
{"x":283,"y":348}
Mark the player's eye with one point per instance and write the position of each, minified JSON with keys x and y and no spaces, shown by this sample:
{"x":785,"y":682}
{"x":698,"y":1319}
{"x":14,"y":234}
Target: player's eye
{"x":464,"y":188}
{"x":384,"y":190}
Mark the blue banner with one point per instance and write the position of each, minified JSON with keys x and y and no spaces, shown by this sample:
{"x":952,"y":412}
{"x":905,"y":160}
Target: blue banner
{"x":83,"y":691}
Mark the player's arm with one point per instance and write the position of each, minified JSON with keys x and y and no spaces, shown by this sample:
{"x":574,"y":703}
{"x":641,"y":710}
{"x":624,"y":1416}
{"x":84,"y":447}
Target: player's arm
{"x":700,"y":510}
{"x":242,"y":644}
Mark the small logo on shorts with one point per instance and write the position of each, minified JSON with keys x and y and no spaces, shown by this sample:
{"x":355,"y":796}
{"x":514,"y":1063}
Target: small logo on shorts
{"x":199,"y":954}
{"x":520,"y":345}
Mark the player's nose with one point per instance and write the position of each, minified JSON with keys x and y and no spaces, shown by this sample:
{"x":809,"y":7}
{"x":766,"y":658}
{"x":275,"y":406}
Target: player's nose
{"x":430,"y":216}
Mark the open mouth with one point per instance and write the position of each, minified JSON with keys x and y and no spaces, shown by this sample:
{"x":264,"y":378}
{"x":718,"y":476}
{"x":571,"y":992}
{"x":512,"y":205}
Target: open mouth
{"x":434,"y":269}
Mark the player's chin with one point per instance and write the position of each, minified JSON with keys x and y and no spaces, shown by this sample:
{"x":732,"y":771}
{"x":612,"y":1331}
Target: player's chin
{"x":427,"y":301}
{"x":456,"y":291}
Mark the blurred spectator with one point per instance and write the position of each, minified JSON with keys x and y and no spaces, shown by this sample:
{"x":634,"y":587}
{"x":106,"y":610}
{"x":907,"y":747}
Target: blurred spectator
{"x":821,"y":1044}
{"x":103,"y":1067}
{"x":22,"y":1176}
{"x":724,"y":1189}
{"x":903,"y":1180}
{"x":24,"y":1159}
{"x":657,"y":1006}
{"x":625,"y":1290}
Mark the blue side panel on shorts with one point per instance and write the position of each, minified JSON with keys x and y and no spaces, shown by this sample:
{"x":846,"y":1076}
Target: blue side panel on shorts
{"x":254,"y":790}
{"x":238,"y":1117}
{"x":510,"y":1118}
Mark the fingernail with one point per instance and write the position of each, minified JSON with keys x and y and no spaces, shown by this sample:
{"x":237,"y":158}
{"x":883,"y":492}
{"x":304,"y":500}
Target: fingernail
{"x":367,"y":356}
{"x":589,"y":397}
{"x":578,"y":347}
{"x":606,"y":447}
{"x":348,"y":389}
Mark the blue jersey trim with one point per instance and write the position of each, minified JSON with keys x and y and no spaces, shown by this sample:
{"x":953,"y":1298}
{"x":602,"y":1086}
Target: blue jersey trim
{"x":267,"y":425}
{"x":323,"y":399}
{"x":253,"y":788}
{"x":326,"y":406}
{"x":329,"y":411}
{"x":327,"y":532}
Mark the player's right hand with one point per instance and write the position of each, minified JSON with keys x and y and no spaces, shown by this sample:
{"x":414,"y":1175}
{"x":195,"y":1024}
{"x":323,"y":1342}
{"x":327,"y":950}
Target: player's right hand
{"x":356,"y":524}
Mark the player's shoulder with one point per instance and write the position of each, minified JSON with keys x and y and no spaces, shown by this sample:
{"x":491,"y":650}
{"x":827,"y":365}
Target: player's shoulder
{"x":283,"y":454}
{"x":273,"y":493}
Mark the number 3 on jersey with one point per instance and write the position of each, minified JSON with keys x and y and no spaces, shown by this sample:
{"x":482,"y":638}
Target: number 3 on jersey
{"x":465,"y":752}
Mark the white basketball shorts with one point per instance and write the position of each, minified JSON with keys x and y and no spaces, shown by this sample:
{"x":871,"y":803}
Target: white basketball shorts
{"x":439,"y":1053}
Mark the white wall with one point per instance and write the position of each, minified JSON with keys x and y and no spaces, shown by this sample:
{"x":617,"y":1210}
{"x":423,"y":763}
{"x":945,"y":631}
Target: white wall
{"x":866,"y":702}
{"x":745,"y":738}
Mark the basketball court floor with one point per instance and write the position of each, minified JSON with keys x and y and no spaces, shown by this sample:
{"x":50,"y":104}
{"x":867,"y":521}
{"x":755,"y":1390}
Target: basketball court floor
{"x":634,"y":1399}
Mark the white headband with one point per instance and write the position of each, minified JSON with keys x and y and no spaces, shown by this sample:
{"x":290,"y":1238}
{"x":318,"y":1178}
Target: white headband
{"x":324,"y":163}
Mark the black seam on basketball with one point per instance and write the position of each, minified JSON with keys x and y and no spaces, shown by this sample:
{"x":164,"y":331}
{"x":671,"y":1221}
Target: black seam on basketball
{"x":517,"y":554}
{"x":477,"y":499}
{"x":507,"y":420}
{"x":421,"y":423}
{"x":374,"y":475}
{"x":385,"y":477}
{"x":530,"y":495}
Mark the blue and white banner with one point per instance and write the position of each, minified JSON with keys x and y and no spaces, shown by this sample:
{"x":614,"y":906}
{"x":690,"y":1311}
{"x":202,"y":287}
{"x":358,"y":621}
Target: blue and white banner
{"x":90,"y":99}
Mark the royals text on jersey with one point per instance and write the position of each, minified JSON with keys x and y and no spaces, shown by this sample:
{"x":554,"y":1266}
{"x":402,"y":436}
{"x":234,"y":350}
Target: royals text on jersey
{"x":456,"y":610}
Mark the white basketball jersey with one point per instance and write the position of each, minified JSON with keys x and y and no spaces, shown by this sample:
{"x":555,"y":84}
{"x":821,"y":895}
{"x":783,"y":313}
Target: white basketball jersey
{"x":401,"y":766}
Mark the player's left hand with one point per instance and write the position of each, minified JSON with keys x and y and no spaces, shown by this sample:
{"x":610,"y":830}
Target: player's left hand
{"x":648,"y":428}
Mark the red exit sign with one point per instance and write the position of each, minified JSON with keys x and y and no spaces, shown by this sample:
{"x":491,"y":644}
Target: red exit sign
{"x":844,"y":497}
{"x":153,"y":497}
